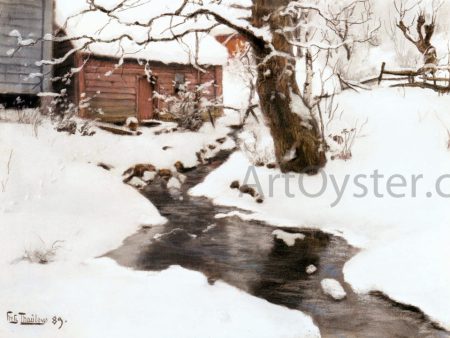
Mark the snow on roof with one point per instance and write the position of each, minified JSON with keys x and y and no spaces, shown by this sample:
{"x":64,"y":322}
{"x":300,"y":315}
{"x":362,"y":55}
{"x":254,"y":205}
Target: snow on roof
{"x":236,"y":8}
{"x":99,"y":25}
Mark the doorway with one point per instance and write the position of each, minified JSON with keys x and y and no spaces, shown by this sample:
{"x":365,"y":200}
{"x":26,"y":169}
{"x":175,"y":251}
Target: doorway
{"x":144,"y":99}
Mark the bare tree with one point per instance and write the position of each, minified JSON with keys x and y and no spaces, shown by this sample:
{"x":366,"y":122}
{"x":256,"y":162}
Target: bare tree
{"x":353,"y":23}
{"x":424,"y":31}
{"x":279,"y":31}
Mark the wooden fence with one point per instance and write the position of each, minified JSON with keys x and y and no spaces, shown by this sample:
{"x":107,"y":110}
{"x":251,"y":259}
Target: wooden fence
{"x":425,"y":77}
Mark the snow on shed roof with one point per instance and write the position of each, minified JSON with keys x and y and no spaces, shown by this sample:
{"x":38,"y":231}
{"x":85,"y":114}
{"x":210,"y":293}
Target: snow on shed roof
{"x":99,"y":25}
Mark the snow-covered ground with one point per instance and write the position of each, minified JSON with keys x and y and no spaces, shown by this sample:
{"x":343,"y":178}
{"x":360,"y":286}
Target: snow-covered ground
{"x":58,"y":205}
{"x":404,"y":240}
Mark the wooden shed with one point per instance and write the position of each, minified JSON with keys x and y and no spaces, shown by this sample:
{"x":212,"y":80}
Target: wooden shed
{"x":102,"y":91}
{"x":110,"y":85}
{"x":20,"y":71}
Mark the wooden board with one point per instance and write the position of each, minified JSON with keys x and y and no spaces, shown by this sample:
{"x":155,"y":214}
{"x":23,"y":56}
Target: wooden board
{"x":33,"y":19}
{"x":145,"y":99}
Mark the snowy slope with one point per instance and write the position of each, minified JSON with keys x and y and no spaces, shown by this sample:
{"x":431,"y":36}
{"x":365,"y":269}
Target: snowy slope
{"x":55,"y":198}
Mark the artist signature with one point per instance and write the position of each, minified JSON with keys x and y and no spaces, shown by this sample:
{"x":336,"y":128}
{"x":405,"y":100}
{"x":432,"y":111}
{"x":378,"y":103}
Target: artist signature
{"x":23,"y":318}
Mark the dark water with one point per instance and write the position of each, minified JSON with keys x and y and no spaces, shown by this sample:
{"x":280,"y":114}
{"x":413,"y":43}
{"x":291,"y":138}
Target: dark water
{"x":246,"y":255}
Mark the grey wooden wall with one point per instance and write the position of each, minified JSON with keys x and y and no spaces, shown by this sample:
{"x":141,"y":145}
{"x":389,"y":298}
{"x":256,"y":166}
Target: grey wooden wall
{"x":33,"y":19}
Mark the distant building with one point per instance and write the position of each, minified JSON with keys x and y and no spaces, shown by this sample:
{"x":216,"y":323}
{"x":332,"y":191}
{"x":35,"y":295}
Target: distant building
{"x":233,"y":41}
{"x":20,"y":72}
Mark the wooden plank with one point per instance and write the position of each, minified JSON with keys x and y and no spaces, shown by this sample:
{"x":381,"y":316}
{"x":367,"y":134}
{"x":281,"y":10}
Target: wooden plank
{"x":47,"y":47}
{"x":21,"y":11}
{"x":116,"y":130}
{"x":6,"y":88}
{"x":110,"y":90}
{"x":107,"y":103}
{"x":113,"y":78}
{"x":440,"y":89}
{"x":25,"y":16}
{"x":29,"y":3}
{"x":80,"y":84}
{"x":20,"y":69}
{"x":28,"y":68}
{"x":121,"y":71}
{"x":24,"y":26}
{"x":145,"y":99}
{"x":111,"y":96}
{"x":32,"y":53}
{"x":118,"y":111}
{"x":105,"y":84}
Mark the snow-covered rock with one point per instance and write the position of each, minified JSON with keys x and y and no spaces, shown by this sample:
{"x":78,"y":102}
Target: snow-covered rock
{"x":132,"y":123}
{"x":174,"y":183}
{"x":288,"y":238}
{"x":149,"y":176}
{"x":310,"y":269}
{"x":137,"y":182}
{"x":182,"y":178}
{"x":333,"y":288}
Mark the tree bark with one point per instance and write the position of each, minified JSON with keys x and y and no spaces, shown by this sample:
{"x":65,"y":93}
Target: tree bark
{"x":296,"y":133}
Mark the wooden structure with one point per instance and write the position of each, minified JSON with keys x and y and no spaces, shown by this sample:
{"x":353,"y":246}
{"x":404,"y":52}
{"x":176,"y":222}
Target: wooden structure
{"x":115,"y":80}
{"x":426,"y":77}
{"x":235,"y":43}
{"x":32,"y":19}
{"x":102,"y":91}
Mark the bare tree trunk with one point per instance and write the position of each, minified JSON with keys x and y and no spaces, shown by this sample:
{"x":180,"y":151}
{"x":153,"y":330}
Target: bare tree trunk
{"x":296,"y":133}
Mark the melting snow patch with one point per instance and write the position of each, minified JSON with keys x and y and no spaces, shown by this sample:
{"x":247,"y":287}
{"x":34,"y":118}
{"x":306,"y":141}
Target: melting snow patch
{"x":288,"y":238}
{"x":149,"y":176}
{"x":310,"y":269}
{"x":174,"y":184}
{"x":137,"y":182}
{"x":333,"y":288}
{"x":209,"y":227}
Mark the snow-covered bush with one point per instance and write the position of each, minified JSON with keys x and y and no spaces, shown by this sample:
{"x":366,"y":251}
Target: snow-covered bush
{"x":257,"y":145}
{"x":345,"y":140}
{"x":44,"y":254}
{"x":62,"y":107}
{"x":189,"y":107}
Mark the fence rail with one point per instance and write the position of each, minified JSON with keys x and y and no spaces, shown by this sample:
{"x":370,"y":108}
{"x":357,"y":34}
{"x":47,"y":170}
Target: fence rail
{"x":424,"y":77}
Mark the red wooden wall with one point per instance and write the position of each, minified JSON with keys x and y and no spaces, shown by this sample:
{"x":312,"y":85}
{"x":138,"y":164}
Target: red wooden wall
{"x":117,"y":94}
{"x":235,"y":43}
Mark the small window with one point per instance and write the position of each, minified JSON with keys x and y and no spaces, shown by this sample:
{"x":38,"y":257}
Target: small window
{"x":179,"y":83}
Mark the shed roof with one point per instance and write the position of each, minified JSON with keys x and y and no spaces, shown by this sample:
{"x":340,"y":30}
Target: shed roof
{"x":99,"y":25}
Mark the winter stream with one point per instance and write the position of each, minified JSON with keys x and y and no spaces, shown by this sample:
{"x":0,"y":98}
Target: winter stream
{"x":247,"y":255}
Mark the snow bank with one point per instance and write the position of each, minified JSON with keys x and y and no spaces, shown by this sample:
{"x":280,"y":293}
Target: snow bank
{"x":405,"y":253}
{"x":52,"y":193}
{"x":57,"y":205}
{"x":101,"y":299}
{"x":80,"y":206}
